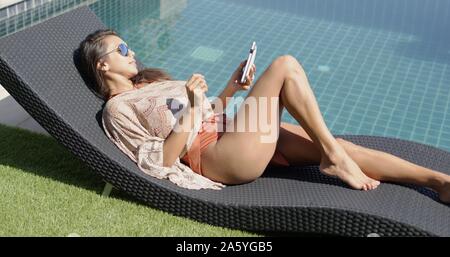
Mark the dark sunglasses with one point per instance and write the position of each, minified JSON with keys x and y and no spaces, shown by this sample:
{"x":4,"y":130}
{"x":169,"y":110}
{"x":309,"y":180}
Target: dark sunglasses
{"x":123,"y":50}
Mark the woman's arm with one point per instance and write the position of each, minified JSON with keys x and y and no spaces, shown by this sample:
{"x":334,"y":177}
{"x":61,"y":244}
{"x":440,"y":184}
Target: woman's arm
{"x":220,"y":103}
{"x":175,"y":142}
{"x":227,"y":93}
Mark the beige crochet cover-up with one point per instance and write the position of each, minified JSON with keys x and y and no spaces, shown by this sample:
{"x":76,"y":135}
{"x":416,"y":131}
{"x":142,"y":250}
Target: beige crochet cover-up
{"x":138,"y":121}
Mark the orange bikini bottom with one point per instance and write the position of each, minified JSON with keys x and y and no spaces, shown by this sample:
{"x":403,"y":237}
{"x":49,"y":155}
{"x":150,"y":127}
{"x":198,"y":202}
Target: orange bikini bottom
{"x":208,"y":134}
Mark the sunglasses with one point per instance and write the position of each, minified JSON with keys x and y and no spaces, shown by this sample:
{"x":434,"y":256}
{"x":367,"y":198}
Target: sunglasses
{"x":123,"y":50}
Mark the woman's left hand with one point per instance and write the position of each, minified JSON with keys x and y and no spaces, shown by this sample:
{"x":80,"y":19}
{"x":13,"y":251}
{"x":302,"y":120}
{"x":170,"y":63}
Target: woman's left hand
{"x":235,"y":79}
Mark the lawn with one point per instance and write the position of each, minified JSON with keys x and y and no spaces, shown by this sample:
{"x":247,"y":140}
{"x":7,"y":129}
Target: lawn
{"x":46,"y":191}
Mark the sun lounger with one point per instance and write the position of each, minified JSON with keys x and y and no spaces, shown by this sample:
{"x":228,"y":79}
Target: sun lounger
{"x":37,"y":68}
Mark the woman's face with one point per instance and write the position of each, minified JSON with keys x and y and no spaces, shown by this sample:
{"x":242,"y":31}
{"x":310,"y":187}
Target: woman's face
{"x":113,"y":62}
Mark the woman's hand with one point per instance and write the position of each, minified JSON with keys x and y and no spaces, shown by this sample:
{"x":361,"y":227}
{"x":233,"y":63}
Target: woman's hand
{"x":235,"y":79}
{"x":195,"y":88}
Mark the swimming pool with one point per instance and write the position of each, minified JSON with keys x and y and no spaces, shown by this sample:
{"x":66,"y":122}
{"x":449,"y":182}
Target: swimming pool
{"x":377,"y":67}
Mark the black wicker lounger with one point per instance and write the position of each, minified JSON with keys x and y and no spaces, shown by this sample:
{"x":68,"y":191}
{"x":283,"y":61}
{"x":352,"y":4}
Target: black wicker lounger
{"x":37,"y":69}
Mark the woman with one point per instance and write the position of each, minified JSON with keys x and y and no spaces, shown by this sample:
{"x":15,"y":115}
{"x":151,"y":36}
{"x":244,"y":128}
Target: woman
{"x":139,"y":117}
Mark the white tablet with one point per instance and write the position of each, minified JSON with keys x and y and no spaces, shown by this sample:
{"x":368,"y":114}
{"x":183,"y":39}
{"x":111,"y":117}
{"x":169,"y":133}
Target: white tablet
{"x":250,"y":61}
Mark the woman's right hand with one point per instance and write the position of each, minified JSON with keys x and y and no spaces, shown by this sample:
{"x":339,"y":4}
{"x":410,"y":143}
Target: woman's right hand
{"x":195,"y":88}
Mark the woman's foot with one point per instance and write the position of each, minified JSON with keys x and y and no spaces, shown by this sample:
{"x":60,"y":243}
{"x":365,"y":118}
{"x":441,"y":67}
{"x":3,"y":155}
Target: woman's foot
{"x":444,"y":190}
{"x":339,"y":164}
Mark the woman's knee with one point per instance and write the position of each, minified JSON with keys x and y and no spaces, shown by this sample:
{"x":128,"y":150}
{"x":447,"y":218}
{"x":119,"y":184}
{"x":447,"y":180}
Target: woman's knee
{"x":287,"y":63}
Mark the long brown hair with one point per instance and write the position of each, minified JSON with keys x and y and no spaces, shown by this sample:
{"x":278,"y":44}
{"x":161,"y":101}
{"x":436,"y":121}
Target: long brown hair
{"x":149,"y":75}
{"x":92,"y":47}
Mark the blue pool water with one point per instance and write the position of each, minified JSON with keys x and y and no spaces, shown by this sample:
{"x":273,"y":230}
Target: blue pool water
{"x":377,"y":67}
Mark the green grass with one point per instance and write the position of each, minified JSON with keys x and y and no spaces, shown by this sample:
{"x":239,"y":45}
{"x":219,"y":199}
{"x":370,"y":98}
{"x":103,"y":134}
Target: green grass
{"x":46,"y":191}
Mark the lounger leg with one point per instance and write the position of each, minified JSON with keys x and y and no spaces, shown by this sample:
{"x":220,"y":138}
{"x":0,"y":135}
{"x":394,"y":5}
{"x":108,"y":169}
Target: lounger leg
{"x":107,"y":190}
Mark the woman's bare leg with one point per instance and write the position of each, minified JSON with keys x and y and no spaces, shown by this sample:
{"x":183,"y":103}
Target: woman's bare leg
{"x":240,"y":156}
{"x":297,"y":146}
{"x":387,"y":167}
{"x":375,"y":164}
{"x":242,"y":152}
{"x":301,"y":103}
